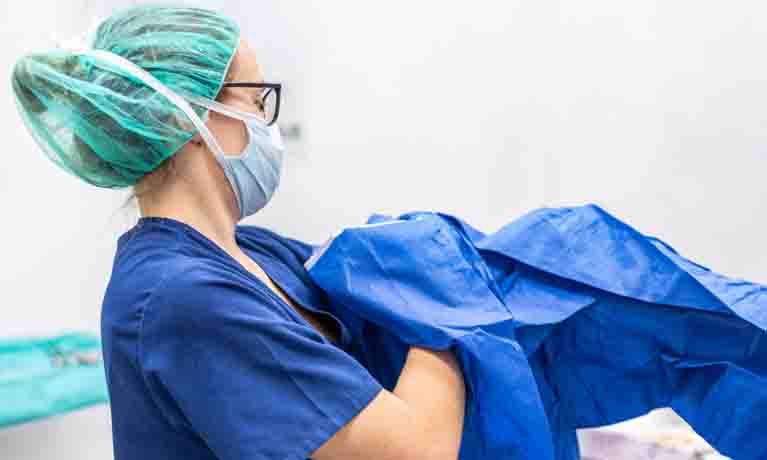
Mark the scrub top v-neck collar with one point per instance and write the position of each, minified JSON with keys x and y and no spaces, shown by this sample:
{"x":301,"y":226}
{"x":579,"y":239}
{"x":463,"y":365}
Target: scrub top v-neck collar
{"x":281,"y":272}
{"x":269,"y":268}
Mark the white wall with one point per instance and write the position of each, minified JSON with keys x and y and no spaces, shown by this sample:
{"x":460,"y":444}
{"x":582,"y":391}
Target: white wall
{"x":652,"y":109}
{"x":405,"y":105}
{"x":57,"y":236}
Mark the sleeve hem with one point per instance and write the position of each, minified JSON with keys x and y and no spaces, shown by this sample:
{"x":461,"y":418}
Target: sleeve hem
{"x":324,"y":431}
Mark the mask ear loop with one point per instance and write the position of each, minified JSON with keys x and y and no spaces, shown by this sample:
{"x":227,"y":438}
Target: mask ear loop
{"x":225,"y":109}
{"x":273,"y":130}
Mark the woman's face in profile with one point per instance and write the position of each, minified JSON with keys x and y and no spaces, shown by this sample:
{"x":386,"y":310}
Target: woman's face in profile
{"x":230,"y":132}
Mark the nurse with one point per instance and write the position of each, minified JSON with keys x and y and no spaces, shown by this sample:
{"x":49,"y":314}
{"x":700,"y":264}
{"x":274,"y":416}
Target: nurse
{"x":216,"y":343}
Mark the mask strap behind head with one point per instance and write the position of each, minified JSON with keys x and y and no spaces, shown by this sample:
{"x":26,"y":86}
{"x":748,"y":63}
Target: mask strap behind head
{"x":81,"y":44}
{"x":158,"y":86}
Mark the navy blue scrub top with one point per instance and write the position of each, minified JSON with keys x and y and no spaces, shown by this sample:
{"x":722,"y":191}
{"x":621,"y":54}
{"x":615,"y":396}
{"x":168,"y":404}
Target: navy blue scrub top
{"x":204,"y":361}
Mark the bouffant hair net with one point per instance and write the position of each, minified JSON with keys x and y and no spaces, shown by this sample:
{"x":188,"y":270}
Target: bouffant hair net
{"x":99,"y":121}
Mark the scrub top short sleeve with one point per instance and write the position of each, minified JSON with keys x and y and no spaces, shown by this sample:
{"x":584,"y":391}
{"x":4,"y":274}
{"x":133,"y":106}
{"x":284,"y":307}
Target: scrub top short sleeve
{"x":226,"y":363}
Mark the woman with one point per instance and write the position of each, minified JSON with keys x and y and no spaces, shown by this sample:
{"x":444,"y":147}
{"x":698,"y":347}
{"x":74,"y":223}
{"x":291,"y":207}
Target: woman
{"x":216,"y":345}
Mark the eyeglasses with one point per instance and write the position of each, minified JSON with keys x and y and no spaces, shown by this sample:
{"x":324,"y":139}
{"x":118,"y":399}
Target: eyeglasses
{"x":269,"y":98}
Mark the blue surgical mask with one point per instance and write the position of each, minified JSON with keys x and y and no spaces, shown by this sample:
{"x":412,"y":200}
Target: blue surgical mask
{"x":254,"y":174}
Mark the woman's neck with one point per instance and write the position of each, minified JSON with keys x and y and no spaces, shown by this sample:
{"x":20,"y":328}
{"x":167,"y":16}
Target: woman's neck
{"x":206,"y":213}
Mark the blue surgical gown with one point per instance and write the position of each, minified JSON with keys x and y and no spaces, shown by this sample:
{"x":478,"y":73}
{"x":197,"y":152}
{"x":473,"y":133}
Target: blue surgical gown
{"x":565,"y":318}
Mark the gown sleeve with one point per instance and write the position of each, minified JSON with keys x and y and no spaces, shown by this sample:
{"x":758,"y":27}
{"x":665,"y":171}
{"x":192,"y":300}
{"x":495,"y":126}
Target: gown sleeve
{"x":223,"y":361}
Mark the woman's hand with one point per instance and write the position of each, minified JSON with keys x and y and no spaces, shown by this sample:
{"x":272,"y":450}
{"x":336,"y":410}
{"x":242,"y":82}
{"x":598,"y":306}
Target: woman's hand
{"x":422,"y":419}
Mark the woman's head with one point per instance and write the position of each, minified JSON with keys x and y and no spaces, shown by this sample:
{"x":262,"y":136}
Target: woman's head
{"x":116,"y":111}
{"x":195,"y":166}
{"x":110,"y":128}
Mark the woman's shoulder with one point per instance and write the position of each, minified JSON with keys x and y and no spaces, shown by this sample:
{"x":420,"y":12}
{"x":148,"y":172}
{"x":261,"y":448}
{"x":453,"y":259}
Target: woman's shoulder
{"x":152,"y":273}
{"x":198,"y":301}
{"x":142,"y":262}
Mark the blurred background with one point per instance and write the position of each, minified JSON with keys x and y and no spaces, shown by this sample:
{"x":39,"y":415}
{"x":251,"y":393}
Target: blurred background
{"x":654,"y":110}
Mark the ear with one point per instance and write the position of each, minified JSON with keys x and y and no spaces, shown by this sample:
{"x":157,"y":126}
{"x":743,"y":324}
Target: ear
{"x":197,"y":141}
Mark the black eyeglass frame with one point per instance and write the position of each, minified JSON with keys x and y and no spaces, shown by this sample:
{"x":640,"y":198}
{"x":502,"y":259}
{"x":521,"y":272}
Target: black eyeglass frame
{"x":277,"y":87}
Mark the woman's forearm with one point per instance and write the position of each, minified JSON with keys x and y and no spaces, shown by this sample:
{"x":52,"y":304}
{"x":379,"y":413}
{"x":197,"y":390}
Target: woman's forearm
{"x":431,"y":383}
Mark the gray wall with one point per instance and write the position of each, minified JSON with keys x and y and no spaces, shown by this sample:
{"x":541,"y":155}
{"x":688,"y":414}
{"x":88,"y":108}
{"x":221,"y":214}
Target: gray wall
{"x":652,"y":109}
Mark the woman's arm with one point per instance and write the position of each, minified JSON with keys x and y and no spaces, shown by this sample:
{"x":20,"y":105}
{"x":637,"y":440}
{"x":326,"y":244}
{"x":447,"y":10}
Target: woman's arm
{"x":421,"y":419}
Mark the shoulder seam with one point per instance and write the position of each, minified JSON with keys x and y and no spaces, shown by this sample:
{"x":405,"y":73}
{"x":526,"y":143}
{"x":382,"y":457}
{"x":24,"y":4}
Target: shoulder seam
{"x":140,"y":333}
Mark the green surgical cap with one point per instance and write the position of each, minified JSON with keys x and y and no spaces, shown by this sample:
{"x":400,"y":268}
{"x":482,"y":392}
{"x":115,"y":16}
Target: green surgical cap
{"x":105,"y":125}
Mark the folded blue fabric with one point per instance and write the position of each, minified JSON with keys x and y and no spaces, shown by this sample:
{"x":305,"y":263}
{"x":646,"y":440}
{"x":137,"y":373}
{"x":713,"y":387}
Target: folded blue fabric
{"x":565,"y":318}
